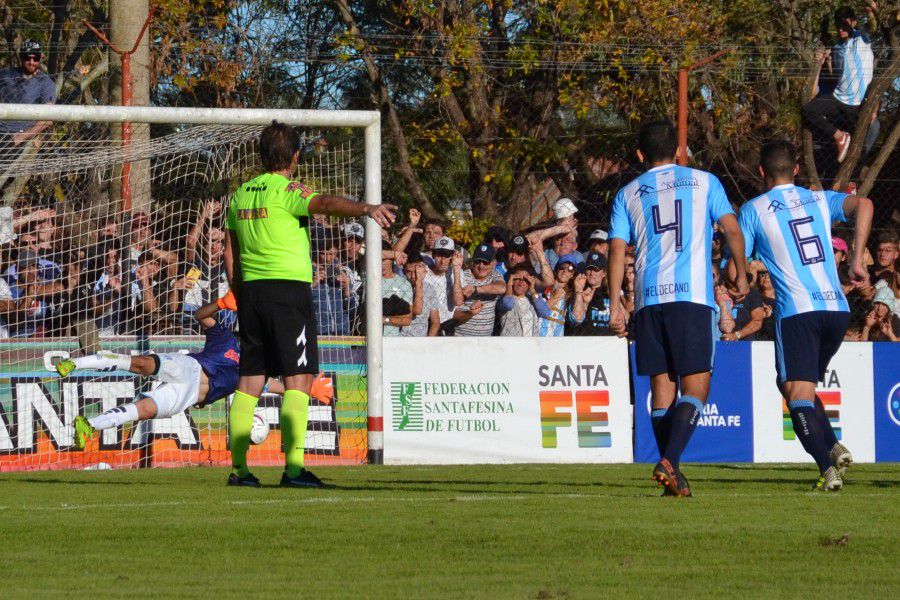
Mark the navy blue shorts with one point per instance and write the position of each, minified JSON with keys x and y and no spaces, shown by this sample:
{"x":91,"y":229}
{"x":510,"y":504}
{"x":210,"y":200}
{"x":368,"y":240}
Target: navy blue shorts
{"x":675,"y":337}
{"x":805,"y":343}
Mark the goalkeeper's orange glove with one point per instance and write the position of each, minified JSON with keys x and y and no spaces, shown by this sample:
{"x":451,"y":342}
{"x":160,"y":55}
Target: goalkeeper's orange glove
{"x":228,"y":301}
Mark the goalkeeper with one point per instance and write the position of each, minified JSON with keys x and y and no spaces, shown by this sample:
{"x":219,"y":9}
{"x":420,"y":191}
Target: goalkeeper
{"x":267,"y":257}
{"x":186,"y":380}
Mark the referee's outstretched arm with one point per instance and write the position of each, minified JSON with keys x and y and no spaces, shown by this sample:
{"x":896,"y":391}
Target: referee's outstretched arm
{"x":336,"y":206}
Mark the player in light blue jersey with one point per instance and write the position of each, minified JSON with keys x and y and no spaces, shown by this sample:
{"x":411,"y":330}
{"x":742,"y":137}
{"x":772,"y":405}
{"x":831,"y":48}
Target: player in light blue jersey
{"x":834,"y":115}
{"x":669,"y":213}
{"x":789,"y":229}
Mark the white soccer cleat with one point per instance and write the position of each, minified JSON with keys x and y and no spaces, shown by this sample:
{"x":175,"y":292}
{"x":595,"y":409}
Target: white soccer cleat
{"x":841,"y":458}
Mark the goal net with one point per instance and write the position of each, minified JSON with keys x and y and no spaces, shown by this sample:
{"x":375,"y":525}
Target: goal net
{"x":113,"y":246}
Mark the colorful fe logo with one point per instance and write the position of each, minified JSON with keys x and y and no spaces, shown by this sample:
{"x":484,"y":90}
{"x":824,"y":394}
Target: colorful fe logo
{"x":832,"y":403}
{"x":554,"y":414}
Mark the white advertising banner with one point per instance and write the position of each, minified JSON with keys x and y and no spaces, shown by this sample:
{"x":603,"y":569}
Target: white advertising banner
{"x":846,"y":392}
{"x":505,"y":400}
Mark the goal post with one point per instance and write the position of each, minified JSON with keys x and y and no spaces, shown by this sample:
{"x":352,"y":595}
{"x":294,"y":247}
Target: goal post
{"x":182,"y":159}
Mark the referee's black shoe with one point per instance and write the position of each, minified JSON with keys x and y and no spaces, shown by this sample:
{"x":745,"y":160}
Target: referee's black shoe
{"x":248,"y":480}
{"x":304,"y":480}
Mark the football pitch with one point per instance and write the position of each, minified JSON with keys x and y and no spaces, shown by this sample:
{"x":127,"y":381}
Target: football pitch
{"x":515,"y":531}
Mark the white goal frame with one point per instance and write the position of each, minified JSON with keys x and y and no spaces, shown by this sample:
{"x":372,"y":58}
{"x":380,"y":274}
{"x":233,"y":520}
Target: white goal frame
{"x":370,"y":121}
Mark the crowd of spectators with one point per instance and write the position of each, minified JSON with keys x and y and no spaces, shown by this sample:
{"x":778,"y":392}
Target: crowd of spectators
{"x":126,"y":278}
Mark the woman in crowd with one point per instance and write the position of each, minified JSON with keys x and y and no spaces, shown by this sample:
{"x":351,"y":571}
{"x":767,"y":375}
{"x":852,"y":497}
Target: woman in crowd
{"x":558,"y":296}
{"x":881,"y":324}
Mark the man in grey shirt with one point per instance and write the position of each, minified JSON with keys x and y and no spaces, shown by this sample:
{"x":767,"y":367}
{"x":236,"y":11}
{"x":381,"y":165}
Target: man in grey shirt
{"x":476,"y":292}
{"x":25,"y":85}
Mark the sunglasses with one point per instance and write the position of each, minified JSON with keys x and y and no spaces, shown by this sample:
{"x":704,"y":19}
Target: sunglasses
{"x":566,"y":267}
{"x":34,"y":57}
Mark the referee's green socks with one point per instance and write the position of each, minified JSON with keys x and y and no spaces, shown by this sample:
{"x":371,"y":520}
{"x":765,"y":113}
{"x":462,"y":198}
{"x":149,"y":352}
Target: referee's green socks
{"x":294,"y":415}
{"x":240,"y":422}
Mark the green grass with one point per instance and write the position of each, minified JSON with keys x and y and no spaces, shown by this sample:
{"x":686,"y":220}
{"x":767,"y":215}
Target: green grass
{"x":490,"y":531}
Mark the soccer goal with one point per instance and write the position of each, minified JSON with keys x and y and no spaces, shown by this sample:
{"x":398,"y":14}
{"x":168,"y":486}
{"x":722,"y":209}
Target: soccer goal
{"x":112,"y":235}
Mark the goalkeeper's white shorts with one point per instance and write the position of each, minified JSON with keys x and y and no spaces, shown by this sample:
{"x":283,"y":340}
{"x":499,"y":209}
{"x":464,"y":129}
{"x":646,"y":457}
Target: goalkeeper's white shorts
{"x":179,"y":376}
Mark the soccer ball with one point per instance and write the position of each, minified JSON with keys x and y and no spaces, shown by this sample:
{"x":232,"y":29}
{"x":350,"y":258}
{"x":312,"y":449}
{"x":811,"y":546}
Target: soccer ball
{"x":260,"y":430}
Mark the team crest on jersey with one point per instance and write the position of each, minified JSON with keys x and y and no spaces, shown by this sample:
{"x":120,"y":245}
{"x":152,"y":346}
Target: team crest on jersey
{"x":645,"y":189}
{"x":296,"y":185}
{"x":775,"y":205}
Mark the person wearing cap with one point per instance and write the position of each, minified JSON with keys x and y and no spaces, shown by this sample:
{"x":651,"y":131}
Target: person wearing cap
{"x":30,"y":295}
{"x":25,"y":85}
{"x":437,"y":304}
{"x":589,"y":308}
{"x":881,"y":323}
{"x":476,"y":292}
{"x":558,"y":295}
{"x":598,"y":242}
{"x":520,"y":310}
{"x":353,"y":264}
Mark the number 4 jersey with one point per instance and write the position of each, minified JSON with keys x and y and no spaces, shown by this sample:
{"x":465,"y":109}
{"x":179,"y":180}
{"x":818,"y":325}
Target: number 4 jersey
{"x":789,"y":229}
{"x":668,"y":213}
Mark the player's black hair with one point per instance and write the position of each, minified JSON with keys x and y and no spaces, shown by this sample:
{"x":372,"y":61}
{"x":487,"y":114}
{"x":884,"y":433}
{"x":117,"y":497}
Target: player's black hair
{"x":657,"y":141}
{"x":843,"y":14}
{"x":778,"y":159}
{"x":277,"y":144}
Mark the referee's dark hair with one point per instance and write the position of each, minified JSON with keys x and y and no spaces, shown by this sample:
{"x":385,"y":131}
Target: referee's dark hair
{"x":657,"y":141}
{"x":778,"y":159}
{"x":277,"y":144}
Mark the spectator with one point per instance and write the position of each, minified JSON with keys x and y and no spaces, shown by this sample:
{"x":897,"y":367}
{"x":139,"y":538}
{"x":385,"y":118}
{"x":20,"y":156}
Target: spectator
{"x":589,"y":309}
{"x":881,"y":324}
{"x":599,"y":242}
{"x":833,"y":116}
{"x":767,"y":294}
{"x":748,"y":313}
{"x":564,"y":245}
{"x":400,"y":298}
{"x":887,"y":252}
{"x":205,"y":280}
{"x":559,"y":295}
{"x":476,"y":293}
{"x":427,"y":319}
{"x":332,"y":295}
{"x":25,"y":85}
{"x":33,"y":297}
{"x":521,"y":309}
{"x":353,"y":265}
{"x":107,"y":291}
{"x":516,"y":254}
{"x":723,"y":309}
{"x":433,"y":231}
{"x":406,"y":234}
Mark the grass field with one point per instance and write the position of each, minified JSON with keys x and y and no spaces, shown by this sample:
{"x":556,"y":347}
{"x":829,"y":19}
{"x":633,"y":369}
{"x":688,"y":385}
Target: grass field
{"x":500,"y":531}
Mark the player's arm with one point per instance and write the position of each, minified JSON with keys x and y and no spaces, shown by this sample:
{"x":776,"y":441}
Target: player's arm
{"x":863,"y":209}
{"x":336,"y":206}
{"x":232,"y":259}
{"x":205,"y":315}
{"x":617,"y":321}
{"x":737,"y":268}
{"x":274,"y":386}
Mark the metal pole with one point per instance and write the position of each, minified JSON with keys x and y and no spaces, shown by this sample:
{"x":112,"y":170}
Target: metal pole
{"x":374,"y":327}
{"x":682,"y":156}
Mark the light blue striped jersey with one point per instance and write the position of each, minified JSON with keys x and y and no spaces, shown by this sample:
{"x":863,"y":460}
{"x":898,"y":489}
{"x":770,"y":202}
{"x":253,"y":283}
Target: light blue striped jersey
{"x":854,"y":60}
{"x":668,"y":213}
{"x":789,"y":229}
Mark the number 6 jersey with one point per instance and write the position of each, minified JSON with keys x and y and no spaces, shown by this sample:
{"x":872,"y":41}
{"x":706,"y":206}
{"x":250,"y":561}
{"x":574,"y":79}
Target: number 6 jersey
{"x":789,"y":229}
{"x":668,"y":213}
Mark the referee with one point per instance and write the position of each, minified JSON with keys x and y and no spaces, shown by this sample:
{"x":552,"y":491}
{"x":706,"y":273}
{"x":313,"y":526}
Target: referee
{"x":267,"y":257}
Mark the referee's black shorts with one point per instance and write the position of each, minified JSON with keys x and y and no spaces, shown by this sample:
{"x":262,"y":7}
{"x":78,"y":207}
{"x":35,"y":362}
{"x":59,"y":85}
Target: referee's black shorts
{"x":278,"y":328}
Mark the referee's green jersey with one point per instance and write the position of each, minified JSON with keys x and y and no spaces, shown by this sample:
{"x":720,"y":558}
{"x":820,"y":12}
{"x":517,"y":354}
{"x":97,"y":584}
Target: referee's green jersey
{"x":270,"y":215}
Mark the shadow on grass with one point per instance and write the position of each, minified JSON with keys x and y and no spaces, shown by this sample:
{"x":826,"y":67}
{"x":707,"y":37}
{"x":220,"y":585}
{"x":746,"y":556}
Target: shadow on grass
{"x":473,"y":487}
{"x":71,"y":482}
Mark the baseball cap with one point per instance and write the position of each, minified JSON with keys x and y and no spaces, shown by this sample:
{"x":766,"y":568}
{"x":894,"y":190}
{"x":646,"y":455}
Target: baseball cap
{"x":30,"y":47}
{"x":484,"y":252}
{"x":444,"y":243}
{"x":839,"y":244}
{"x":564,"y":207}
{"x":599,"y":234}
{"x":595,"y":260}
{"x":518,"y":245}
{"x":354,"y":230}
{"x":885,"y":296}
{"x":570,"y":258}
